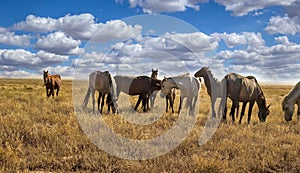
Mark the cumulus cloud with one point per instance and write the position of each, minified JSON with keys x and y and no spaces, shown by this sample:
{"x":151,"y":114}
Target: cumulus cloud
{"x":36,"y":24}
{"x":159,"y":6}
{"x":81,"y":27}
{"x":241,"y":8}
{"x":264,"y":61}
{"x":10,"y":38}
{"x":21,"y":58}
{"x":251,"y":39}
{"x":116,"y":29}
{"x":59,"y":43}
{"x":283,"y":25}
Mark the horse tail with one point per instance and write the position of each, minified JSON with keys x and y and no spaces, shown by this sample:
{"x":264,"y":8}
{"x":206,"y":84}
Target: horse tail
{"x":86,"y":99}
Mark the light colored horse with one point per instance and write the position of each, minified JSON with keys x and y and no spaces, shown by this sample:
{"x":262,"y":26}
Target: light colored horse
{"x":104,"y":84}
{"x":140,"y":85}
{"x":245,"y":89}
{"x":288,"y":102}
{"x":189,"y":87}
{"x":52,"y":82}
{"x":215,"y":89}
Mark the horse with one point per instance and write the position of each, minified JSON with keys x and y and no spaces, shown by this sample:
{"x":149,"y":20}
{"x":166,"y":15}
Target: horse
{"x":52,"y":82}
{"x":288,"y":102}
{"x":215,"y":89}
{"x":104,"y":84}
{"x":140,"y":85}
{"x":189,"y":87}
{"x":245,"y":89}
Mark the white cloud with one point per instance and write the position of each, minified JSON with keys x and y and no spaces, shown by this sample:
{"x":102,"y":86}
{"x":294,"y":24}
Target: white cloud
{"x":36,"y":24}
{"x":59,"y":43}
{"x":268,"y":63}
{"x":283,"y":25}
{"x":282,"y":39}
{"x":159,"y":6}
{"x":82,"y":27}
{"x":21,"y":58}
{"x":10,"y":38}
{"x":253,"y":40}
{"x":116,"y":29}
{"x":241,"y":8}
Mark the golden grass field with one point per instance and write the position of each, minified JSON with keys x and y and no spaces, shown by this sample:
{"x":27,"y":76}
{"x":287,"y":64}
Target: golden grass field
{"x":43,"y":134}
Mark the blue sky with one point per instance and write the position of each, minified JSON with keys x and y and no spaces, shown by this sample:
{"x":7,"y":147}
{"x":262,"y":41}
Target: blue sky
{"x":249,"y":37}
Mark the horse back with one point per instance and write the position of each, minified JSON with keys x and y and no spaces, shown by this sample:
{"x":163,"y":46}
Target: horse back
{"x":100,"y":81}
{"x":249,"y":90}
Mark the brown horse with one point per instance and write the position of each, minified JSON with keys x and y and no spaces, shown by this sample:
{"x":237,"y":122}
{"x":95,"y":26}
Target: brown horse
{"x":288,"y":102}
{"x":52,"y":82}
{"x":245,"y":89}
{"x":140,"y":85}
{"x":105,"y":85}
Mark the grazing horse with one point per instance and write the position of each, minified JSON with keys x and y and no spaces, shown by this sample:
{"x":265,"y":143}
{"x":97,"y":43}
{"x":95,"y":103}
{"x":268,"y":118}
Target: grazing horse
{"x":245,"y":89}
{"x":215,"y":89}
{"x":288,"y":102}
{"x":52,"y":82}
{"x":104,"y":84}
{"x":189,"y":87}
{"x":140,"y":85}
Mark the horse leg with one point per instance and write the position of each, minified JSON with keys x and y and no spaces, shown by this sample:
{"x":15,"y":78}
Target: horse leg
{"x":213,"y":100}
{"x":172,"y":104}
{"x":52,"y":91}
{"x":180,"y":104}
{"x":57,"y":90}
{"x":167,"y":104}
{"x":298,"y":113}
{"x":138,"y":102}
{"x":98,"y":100}
{"x":93,"y":99}
{"x":48,"y":93}
{"x":232,"y":111}
{"x":243,"y":111}
{"x":251,"y":104}
{"x":102,"y":103}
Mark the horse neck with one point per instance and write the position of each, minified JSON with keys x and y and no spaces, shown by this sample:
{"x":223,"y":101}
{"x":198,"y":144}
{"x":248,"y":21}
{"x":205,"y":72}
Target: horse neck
{"x":261,"y":102}
{"x":210,"y":81}
{"x":294,"y":94}
{"x":173,"y":83}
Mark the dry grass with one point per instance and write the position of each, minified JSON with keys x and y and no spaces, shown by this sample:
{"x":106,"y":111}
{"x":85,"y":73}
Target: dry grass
{"x":43,"y":134}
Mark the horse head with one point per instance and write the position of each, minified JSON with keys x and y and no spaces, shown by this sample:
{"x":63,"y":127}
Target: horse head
{"x":45,"y":75}
{"x":263,"y":111}
{"x":201,"y":72}
{"x":154,"y":73}
{"x":288,"y":109}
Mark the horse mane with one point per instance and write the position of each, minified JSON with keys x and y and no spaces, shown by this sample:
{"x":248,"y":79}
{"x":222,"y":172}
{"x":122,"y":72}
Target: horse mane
{"x":211,"y":76}
{"x":293,"y":92}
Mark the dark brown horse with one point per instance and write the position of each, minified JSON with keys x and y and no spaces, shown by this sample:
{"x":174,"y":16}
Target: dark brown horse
{"x":105,"y":85}
{"x":52,"y":82}
{"x":141,"y":85}
{"x":245,"y":89}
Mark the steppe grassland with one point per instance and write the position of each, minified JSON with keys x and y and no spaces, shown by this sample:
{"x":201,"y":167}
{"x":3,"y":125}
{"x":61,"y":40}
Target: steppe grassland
{"x":43,"y":134}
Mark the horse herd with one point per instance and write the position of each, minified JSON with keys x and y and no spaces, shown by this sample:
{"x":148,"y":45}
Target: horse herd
{"x":234,"y":86}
